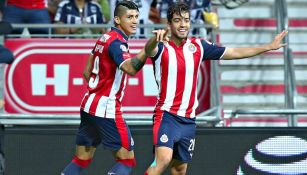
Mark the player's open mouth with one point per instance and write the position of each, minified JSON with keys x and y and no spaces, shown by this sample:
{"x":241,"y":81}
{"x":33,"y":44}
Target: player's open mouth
{"x":182,"y":31}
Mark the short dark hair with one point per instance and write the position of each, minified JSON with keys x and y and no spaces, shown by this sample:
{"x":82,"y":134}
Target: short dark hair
{"x":177,"y":8}
{"x":122,"y":6}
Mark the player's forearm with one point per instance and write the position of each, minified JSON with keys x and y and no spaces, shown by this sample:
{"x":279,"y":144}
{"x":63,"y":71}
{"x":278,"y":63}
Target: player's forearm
{"x":150,"y":47}
{"x":139,"y":60}
{"x":245,"y":52}
{"x":133,"y":65}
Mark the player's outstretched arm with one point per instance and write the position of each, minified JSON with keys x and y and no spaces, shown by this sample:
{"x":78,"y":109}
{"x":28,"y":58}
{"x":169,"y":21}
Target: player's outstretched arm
{"x":245,"y":52}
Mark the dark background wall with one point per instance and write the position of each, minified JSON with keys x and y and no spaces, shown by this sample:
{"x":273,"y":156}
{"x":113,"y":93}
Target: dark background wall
{"x":46,"y":150}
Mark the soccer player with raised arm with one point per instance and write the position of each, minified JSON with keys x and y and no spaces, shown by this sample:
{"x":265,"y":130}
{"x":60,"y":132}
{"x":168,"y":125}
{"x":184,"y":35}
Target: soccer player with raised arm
{"x":102,"y":121}
{"x":176,"y":66}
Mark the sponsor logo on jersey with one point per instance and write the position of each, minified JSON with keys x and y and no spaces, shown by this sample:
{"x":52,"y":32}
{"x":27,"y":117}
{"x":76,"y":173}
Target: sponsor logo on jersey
{"x":93,"y":9}
{"x":123,"y":48}
{"x":164,"y":138}
{"x":104,"y":38}
{"x":126,"y":56}
{"x":69,"y":8}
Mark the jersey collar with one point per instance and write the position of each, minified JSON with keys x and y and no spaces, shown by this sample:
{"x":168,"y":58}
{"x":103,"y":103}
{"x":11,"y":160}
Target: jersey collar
{"x":172,"y":43}
{"x":120,"y":32}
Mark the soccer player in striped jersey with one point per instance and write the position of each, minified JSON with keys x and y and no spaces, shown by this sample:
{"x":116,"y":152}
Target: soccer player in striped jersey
{"x":176,"y":66}
{"x":101,"y":114}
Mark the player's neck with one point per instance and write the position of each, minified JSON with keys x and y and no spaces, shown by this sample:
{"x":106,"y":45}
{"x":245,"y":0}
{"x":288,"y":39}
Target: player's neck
{"x":177,"y":41}
{"x":80,"y":3}
{"x":122,"y":30}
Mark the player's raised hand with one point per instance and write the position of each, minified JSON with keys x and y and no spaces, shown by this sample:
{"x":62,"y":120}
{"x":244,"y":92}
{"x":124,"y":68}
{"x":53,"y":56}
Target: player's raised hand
{"x":161,"y":34}
{"x":277,"y":42}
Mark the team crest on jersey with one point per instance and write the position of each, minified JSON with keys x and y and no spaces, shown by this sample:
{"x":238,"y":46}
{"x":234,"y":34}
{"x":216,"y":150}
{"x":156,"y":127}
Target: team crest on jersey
{"x":123,"y":48}
{"x":164,"y":138}
{"x":93,"y":9}
{"x":192,"y":48}
{"x":104,"y":38}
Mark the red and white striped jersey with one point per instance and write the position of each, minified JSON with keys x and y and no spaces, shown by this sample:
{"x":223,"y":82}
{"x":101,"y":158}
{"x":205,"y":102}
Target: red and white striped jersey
{"x":176,"y":70}
{"x":107,"y":82}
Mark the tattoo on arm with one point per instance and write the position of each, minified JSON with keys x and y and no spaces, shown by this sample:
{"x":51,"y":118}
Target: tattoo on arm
{"x":137,"y":64}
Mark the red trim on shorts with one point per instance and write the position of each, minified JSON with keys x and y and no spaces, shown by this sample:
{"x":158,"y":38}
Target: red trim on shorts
{"x":81,"y":163}
{"x":123,"y":131}
{"x":156,"y":125}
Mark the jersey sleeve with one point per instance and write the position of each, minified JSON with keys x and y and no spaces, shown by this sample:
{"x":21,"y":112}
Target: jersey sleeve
{"x":118,"y":52}
{"x":212,"y":51}
{"x":160,"y":48}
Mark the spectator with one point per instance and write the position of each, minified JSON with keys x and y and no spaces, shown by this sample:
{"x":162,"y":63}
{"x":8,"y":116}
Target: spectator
{"x":105,"y":9}
{"x":27,"y":11}
{"x":6,"y":56}
{"x":154,"y":14}
{"x":52,"y":8}
{"x":144,"y":6}
{"x":78,"y":12}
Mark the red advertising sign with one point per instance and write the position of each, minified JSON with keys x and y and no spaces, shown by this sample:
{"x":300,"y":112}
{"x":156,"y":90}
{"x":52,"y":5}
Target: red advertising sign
{"x":46,"y":77}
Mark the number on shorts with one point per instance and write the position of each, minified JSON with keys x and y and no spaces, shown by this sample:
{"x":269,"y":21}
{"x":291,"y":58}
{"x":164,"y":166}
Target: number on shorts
{"x":192,"y":145}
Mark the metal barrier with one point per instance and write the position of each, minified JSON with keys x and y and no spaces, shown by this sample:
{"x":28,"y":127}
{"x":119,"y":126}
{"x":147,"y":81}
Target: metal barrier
{"x":290,"y":85}
{"x":101,"y":26}
{"x":235,"y":113}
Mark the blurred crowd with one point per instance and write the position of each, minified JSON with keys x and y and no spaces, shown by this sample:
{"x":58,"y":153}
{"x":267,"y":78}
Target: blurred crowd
{"x":90,"y":12}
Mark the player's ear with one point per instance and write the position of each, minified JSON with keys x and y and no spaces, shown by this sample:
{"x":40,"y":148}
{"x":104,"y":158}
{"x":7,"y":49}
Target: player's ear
{"x":168,"y":26}
{"x":116,"y":20}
